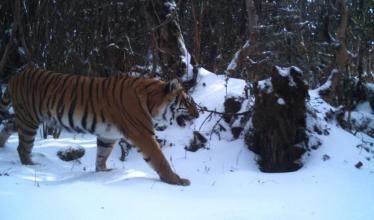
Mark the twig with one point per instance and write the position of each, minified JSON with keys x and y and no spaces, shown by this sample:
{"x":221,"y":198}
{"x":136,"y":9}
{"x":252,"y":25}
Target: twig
{"x":213,"y":129}
{"x":206,"y":119}
{"x":36,"y":182}
{"x":222,"y":114}
{"x":204,"y":109}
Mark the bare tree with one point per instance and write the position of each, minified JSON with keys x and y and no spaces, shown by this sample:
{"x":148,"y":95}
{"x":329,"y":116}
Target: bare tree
{"x":338,"y":68}
{"x":170,"y":52}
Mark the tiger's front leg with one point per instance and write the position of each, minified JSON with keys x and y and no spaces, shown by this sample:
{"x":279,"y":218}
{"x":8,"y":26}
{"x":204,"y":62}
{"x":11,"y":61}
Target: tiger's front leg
{"x":104,"y":148}
{"x":153,"y":155}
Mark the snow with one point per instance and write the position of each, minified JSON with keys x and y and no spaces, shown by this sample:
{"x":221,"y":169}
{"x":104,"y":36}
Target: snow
{"x":225,"y":180}
{"x":281,"y":101}
{"x":171,"y":5}
{"x":265,"y":85}
{"x":233,"y":64}
{"x":186,"y":59}
{"x":110,"y":45}
{"x":364,"y":108}
{"x":21,"y":51}
{"x":371,"y":86}
{"x":285,"y":72}
{"x":328,"y":82}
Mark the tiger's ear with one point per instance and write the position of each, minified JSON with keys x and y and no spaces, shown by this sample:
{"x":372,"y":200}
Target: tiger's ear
{"x":172,"y":86}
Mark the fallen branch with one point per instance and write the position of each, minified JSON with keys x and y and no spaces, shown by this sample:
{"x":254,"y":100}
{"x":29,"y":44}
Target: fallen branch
{"x":221,"y":114}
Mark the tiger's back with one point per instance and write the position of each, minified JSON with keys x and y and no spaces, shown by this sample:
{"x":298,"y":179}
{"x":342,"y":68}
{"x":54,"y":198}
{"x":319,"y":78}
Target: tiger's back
{"x":83,"y":104}
{"x":106,"y":107}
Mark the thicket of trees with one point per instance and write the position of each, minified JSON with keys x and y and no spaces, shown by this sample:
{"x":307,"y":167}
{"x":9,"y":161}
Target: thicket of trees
{"x":103,"y":37}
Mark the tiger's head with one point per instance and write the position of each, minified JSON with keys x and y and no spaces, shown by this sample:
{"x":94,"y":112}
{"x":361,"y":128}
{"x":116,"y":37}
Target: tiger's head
{"x":172,"y":98}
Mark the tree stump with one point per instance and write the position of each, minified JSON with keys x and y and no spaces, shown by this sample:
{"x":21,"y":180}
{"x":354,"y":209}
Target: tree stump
{"x":279,"y":120}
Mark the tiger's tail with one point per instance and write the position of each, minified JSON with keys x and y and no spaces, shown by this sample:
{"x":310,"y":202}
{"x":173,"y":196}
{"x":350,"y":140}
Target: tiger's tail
{"x":6,"y":118}
{"x":5,"y":96}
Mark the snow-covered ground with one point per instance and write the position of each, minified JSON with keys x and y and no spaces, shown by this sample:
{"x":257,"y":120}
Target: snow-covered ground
{"x":225,"y":180}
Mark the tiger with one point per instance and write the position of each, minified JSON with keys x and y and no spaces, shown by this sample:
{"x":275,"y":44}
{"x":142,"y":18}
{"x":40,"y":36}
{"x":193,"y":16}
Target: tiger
{"x":108,"y":107}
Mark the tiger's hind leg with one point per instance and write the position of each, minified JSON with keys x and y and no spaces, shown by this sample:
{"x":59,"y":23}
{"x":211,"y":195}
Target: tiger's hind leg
{"x":26,"y":136}
{"x":153,"y":155}
{"x":8,"y":129}
{"x":104,"y":148}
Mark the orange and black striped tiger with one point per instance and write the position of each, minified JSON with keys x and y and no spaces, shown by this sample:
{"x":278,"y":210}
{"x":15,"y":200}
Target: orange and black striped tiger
{"x":110,"y":108}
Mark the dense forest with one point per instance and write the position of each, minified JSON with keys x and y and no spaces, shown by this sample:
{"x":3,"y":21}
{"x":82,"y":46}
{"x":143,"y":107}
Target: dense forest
{"x":104,"y":37}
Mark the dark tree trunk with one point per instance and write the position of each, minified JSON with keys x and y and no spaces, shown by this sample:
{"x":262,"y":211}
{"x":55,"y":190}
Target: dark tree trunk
{"x":168,"y":43}
{"x":338,"y":68}
{"x":11,"y":57}
{"x":198,"y":8}
{"x":241,"y":56}
{"x":279,"y":120}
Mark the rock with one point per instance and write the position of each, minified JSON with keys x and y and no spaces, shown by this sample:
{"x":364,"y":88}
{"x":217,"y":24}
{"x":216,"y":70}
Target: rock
{"x":232,"y":105}
{"x":198,"y":141}
{"x":359,"y":165}
{"x":71,"y":153}
{"x":236,"y":132}
{"x":325,"y":157}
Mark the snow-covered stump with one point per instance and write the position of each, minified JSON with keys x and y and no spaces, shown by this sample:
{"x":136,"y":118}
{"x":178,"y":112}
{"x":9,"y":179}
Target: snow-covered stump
{"x":279,"y":121}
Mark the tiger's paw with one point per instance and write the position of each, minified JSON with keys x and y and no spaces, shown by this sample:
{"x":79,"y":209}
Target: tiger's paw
{"x":184,"y":182}
{"x":25,"y":157}
{"x":98,"y":169}
{"x":176,"y":180}
{"x":27,"y":161}
{"x":102,"y":168}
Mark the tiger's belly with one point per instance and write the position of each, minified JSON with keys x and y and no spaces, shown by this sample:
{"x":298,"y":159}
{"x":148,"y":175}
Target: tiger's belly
{"x":76,"y":124}
{"x":107,"y":131}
